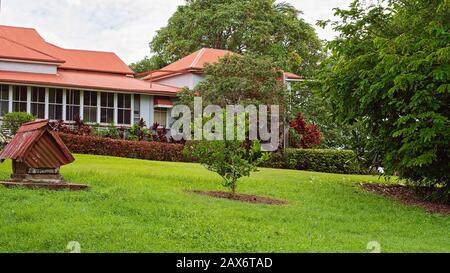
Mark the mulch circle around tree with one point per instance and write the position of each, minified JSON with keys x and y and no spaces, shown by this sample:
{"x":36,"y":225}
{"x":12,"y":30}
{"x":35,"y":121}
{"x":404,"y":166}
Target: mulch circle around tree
{"x":409,"y":196}
{"x":242,"y":197}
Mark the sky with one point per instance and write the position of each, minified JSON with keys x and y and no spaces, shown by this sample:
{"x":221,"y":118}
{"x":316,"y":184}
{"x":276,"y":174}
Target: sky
{"x":122,"y":26}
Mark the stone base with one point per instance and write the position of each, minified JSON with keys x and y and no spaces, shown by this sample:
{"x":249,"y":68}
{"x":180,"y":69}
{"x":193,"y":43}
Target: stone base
{"x":37,"y":178}
{"x":45,"y":185}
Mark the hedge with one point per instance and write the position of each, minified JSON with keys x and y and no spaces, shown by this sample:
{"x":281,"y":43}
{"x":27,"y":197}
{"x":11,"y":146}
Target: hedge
{"x":327,"y":161}
{"x":123,"y":148}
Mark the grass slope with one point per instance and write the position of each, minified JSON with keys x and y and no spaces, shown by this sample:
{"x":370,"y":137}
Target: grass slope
{"x":142,"y":206}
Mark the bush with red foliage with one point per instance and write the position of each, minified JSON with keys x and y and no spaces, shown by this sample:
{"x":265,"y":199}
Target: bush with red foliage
{"x":158,"y":133}
{"x":123,"y":148}
{"x":310,"y":136}
{"x":79,"y":127}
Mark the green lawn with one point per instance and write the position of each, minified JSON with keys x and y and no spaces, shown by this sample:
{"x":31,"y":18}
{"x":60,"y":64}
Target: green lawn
{"x":142,"y":206}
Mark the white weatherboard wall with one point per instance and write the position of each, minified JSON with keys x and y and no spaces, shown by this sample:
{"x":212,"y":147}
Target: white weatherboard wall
{"x":28,"y":67}
{"x":188,"y":80}
{"x":147,"y":107}
{"x":197,"y":78}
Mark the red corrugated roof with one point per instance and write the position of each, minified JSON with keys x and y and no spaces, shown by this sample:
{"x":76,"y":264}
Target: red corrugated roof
{"x":89,"y":80}
{"x":32,"y":126}
{"x":198,"y":59}
{"x":74,"y":59}
{"x":192,"y":62}
{"x":163,"y":101}
{"x":292,"y":76}
{"x":38,"y":147}
{"x":14,"y":50}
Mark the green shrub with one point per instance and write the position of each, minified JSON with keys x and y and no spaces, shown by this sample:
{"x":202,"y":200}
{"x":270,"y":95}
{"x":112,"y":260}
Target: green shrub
{"x":327,"y":161}
{"x":107,"y":132}
{"x":13,"y":121}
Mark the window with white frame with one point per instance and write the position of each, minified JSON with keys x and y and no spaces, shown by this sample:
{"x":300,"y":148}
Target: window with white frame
{"x":107,"y":108}
{"x":124,"y":109}
{"x":4,"y":99}
{"x":55,"y":104}
{"x":38,"y":102}
{"x":72,"y":104}
{"x":160,"y":116}
{"x":20,"y":95}
{"x":90,"y":106}
{"x":137,"y":108}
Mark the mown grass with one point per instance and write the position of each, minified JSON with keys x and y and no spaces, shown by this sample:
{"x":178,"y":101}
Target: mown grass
{"x":142,"y":206}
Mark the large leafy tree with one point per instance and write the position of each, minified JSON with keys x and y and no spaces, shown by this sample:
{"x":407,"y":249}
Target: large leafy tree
{"x":147,"y":64}
{"x":260,"y":27}
{"x":390,"y":67}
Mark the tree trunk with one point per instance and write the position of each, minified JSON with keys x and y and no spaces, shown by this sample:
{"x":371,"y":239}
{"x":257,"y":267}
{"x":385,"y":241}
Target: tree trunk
{"x":233,"y":188}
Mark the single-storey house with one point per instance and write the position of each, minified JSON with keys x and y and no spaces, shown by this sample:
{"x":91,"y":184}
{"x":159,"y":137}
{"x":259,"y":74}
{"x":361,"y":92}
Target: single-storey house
{"x":55,"y":83}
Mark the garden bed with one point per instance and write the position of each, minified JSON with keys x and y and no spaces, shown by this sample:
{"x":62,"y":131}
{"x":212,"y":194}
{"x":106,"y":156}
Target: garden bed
{"x":242,"y":197}
{"x":409,"y":196}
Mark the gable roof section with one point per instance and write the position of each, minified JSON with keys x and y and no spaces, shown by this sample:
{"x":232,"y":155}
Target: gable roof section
{"x":95,"y":61}
{"x":191,"y":63}
{"x":16,"y":51}
{"x":74,"y":59}
{"x":198,"y":59}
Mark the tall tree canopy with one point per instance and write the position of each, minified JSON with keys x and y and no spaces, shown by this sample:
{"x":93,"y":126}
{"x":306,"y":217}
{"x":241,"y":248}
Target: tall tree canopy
{"x":260,"y":27}
{"x":390,"y":66}
{"x":147,"y":64}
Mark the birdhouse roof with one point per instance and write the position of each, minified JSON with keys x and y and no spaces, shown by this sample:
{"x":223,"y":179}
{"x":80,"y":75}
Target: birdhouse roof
{"x":36,"y":145}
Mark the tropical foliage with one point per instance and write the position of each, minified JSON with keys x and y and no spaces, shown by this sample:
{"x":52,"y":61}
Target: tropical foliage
{"x":304,"y":135}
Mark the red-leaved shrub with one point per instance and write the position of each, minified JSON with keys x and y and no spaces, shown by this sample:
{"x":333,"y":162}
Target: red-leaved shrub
{"x":79,"y":127}
{"x":123,"y":148}
{"x":310,"y":136}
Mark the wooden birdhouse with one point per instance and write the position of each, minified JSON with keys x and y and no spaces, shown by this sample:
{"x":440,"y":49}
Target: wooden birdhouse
{"x":37,"y":153}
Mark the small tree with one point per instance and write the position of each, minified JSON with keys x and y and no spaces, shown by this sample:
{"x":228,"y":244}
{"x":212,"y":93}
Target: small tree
{"x":13,"y":121}
{"x":232,"y":160}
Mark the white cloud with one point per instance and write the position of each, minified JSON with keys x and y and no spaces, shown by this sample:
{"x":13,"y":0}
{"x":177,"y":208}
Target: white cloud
{"x":314,"y":10}
{"x":121,"y":26}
